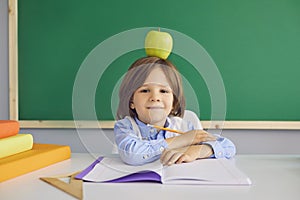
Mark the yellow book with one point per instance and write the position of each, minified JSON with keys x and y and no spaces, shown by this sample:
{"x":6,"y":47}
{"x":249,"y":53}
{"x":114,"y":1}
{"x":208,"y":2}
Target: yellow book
{"x":41,"y":155}
{"x":15,"y":144}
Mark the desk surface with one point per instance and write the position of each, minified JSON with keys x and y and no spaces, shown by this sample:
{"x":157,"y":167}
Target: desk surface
{"x":273,"y":177}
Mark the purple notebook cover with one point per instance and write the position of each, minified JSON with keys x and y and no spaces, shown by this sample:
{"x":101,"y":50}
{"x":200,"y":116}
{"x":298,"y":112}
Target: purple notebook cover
{"x":88,"y":169}
{"x":142,"y":176}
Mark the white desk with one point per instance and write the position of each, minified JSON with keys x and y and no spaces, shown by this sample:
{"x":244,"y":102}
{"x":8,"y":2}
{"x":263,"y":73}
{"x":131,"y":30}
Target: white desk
{"x":273,"y":176}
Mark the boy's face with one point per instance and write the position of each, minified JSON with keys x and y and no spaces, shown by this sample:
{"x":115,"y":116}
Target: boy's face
{"x":153,"y":101}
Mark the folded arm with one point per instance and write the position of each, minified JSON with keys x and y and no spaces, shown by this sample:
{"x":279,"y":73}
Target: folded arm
{"x":202,"y":146}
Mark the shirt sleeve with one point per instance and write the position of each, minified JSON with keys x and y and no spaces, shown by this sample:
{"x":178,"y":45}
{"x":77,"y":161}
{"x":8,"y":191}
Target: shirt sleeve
{"x":132,"y":149}
{"x":222,"y":147}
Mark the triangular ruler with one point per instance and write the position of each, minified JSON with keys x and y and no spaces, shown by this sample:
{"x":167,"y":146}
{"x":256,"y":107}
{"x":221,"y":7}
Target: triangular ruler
{"x":74,"y":187}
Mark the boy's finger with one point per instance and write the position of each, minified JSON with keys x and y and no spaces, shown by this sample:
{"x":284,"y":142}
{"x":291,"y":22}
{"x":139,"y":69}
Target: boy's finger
{"x":174,"y":158}
{"x":166,"y":156}
{"x":181,"y":159}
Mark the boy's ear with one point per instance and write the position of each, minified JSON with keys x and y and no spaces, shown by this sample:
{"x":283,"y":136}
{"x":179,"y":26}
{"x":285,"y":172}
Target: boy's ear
{"x":131,"y":105}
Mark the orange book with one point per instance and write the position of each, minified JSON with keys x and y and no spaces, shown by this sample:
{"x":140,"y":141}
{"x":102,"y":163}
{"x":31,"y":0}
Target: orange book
{"x":41,"y":155}
{"x":9,"y":128}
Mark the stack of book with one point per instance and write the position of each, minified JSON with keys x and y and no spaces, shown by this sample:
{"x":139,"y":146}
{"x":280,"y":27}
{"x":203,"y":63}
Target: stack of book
{"x":19,"y":154}
{"x":11,"y":142}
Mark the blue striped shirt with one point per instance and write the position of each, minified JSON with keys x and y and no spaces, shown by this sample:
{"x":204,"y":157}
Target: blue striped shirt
{"x":139,"y":144}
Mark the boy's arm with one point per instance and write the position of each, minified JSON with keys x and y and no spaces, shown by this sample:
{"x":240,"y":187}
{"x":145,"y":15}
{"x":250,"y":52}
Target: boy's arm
{"x":186,"y":154}
{"x":189,"y":138}
{"x":220,"y":148}
{"x":132,"y":149}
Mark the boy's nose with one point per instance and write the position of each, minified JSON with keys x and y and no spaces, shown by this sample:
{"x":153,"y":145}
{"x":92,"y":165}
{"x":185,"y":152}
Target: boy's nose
{"x":155,"y":97}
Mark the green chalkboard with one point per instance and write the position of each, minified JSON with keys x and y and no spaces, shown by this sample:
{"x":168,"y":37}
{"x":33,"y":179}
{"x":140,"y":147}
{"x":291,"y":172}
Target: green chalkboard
{"x":254,"y":44}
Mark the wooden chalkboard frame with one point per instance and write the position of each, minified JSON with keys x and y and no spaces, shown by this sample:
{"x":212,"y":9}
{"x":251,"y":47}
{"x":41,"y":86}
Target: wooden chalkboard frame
{"x":14,"y":109}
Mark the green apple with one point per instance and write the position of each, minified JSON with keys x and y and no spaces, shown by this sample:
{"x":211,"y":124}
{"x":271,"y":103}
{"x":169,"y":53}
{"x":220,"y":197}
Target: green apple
{"x":158,"y":44}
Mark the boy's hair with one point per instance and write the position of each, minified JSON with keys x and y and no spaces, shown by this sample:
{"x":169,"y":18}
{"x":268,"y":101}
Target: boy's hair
{"x":135,"y":78}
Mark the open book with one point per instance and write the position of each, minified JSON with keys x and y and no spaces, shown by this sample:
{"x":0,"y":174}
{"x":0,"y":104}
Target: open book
{"x":204,"y":171}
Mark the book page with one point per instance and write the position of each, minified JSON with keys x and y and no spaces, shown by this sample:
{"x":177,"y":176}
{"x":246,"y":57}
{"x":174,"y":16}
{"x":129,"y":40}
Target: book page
{"x":204,"y":171}
{"x":114,"y":168}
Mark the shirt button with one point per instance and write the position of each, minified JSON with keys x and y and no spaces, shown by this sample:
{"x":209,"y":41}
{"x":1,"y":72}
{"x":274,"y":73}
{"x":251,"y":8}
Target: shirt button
{"x":161,"y":149}
{"x":146,"y":156}
{"x":152,"y":131}
{"x":220,"y":153}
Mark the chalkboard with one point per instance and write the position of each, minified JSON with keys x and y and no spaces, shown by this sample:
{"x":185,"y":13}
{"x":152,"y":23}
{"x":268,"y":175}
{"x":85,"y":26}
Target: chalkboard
{"x":253,"y":45}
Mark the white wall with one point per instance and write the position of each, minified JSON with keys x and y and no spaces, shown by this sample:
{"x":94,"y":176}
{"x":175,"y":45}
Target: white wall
{"x":247,"y":141}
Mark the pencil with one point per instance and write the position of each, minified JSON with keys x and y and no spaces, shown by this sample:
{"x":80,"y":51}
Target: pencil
{"x":165,"y":129}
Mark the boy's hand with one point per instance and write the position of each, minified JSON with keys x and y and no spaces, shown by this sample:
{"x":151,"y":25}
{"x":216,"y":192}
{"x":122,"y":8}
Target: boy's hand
{"x":185,"y":154}
{"x":189,"y":138}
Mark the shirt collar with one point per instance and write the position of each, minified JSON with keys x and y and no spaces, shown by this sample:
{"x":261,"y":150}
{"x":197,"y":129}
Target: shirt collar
{"x":143,"y":125}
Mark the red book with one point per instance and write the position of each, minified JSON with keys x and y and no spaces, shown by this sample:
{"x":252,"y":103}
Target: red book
{"x":9,"y":128}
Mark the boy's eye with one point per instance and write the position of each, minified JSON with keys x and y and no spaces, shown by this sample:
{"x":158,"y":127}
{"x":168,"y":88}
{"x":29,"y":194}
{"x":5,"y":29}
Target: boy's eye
{"x":144,"y":90}
{"x":164,"y":91}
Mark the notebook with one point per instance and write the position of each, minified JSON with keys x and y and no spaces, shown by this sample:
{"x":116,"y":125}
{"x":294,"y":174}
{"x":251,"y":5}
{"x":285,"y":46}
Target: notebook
{"x":203,"y":171}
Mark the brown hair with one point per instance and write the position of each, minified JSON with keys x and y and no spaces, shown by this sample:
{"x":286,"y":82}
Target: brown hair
{"x":135,"y":78}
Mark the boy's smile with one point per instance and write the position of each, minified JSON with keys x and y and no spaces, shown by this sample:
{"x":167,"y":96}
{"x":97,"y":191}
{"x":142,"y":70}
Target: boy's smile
{"x":153,"y":101}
